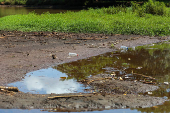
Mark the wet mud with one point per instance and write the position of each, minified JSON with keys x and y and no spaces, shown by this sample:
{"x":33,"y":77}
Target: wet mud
{"x":23,"y":52}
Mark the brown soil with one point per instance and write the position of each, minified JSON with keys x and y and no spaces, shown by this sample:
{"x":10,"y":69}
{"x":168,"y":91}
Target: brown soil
{"x":23,"y":52}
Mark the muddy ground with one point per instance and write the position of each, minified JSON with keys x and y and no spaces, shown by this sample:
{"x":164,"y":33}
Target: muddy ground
{"x":23,"y":52}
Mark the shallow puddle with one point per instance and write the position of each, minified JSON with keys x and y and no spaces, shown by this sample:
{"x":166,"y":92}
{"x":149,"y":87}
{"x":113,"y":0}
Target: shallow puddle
{"x":144,"y":65}
{"x":39,"y":111}
{"x":47,"y":81}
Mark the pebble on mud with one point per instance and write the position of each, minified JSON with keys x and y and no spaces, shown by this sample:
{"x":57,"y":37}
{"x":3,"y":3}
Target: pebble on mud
{"x":54,"y":56}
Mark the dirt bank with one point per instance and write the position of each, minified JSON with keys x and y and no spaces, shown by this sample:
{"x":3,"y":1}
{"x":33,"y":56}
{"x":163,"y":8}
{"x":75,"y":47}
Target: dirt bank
{"x":22,"y":52}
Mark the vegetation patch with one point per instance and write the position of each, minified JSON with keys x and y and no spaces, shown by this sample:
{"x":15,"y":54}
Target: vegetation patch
{"x":113,"y":20}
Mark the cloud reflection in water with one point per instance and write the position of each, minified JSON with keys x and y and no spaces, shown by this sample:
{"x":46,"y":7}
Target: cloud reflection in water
{"x":46,"y":81}
{"x":51,"y":85}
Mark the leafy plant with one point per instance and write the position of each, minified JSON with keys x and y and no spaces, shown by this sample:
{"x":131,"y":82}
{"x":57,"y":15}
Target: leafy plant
{"x":155,"y":8}
{"x":112,"y":46}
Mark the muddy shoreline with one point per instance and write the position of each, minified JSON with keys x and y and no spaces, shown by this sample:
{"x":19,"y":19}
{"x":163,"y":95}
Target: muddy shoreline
{"x":23,"y":52}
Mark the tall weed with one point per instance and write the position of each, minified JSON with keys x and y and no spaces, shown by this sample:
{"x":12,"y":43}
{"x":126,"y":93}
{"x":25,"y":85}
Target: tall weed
{"x":114,"y":10}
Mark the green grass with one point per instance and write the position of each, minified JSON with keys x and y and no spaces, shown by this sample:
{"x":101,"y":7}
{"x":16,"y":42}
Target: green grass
{"x":108,"y":21}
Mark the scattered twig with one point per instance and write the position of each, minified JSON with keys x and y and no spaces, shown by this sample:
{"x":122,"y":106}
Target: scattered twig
{"x":71,"y":42}
{"x":69,"y":96}
{"x":14,"y":89}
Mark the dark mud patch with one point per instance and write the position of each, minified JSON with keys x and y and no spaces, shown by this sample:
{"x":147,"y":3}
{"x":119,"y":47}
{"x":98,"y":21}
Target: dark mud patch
{"x":22,"y":52}
{"x":108,"y":85}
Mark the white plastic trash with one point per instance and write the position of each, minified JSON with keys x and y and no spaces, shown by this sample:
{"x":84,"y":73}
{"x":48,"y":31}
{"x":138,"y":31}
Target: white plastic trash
{"x":166,"y":83}
{"x":133,"y":48}
{"x":73,"y":54}
{"x":124,"y":47}
{"x":150,"y":93}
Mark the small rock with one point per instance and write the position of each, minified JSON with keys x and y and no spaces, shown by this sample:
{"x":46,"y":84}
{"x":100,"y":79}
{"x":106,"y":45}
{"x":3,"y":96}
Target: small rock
{"x":135,"y":80}
{"x":101,"y":47}
{"x":113,"y":74}
{"x":139,"y":68}
{"x":28,"y":54}
{"x":120,"y":78}
{"x":54,"y":56}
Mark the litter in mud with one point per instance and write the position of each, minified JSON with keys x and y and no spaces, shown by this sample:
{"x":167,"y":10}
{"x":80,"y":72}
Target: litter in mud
{"x":166,"y":83}
{"x":72,"y":54}
{"x":150,"y":93}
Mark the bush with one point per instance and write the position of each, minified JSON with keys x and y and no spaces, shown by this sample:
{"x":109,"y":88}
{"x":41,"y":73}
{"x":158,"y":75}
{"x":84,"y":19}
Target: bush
{"x":150,"y":7}
{"x":141,"y":12}
{"x":155,"y":8}
{"x":7,"y":2}
{"x":135,"y":6}
{"x":137,"y":9}
{"x":167,"y":4}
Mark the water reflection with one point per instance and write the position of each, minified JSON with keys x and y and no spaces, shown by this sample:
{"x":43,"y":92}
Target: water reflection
{"x":48,"y":85}
{"x":5,"y":11}
{"x":147,"y":63}
{"x":46,"y":81}
{"x":38,"y":111}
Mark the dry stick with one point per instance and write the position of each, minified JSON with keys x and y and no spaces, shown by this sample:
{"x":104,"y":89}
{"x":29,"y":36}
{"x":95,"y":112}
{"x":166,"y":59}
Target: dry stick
{"x":15,"y":89}
{"x":71,"y":42}
{"x":89,"y":38}
{"x":10,"y":35}
{"x":144,"y":75}
{"x":69,"y":96}
{"x":147,"y":77}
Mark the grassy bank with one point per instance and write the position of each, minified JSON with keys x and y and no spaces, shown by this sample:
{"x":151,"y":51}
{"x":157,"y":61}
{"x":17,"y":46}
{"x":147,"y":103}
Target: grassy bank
{"x":105,"y":20}
{"x":91,"y":3}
